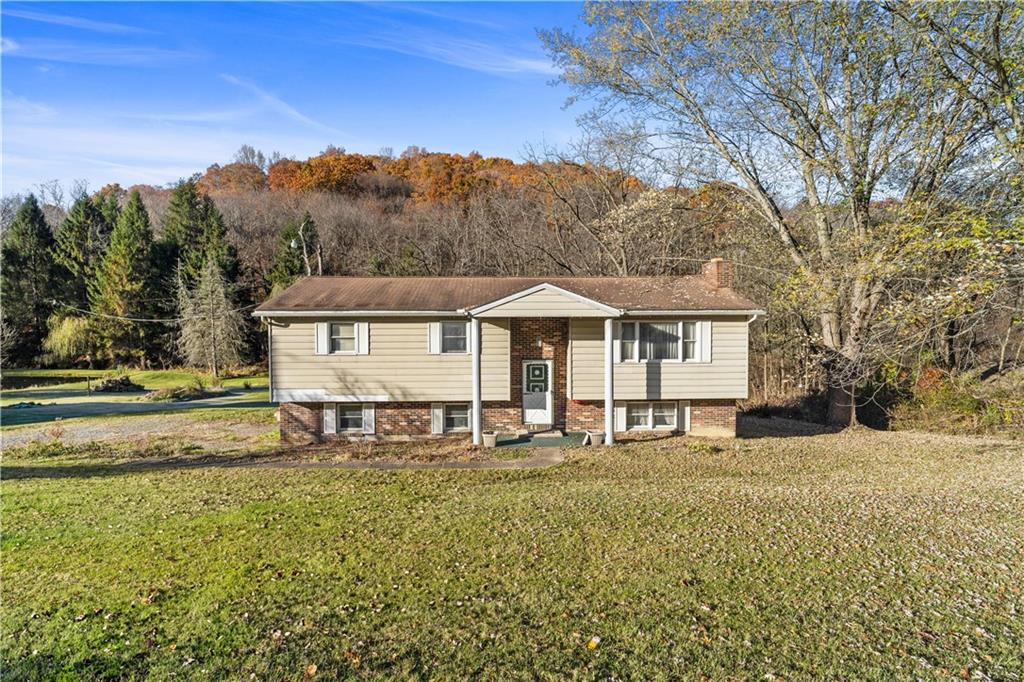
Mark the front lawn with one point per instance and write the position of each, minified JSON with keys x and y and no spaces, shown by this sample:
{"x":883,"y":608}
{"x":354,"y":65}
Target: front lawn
{"x":867,"y":555}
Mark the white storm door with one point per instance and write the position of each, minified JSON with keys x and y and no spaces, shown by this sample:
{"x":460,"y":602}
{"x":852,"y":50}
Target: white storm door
{"x":537,"y":399}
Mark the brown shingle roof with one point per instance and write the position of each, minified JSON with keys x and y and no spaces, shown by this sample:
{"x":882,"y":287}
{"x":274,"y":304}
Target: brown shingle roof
{"x":423,"y":294}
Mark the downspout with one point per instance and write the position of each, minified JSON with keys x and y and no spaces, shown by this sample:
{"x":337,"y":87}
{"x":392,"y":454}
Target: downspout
{"x":270,"y":359}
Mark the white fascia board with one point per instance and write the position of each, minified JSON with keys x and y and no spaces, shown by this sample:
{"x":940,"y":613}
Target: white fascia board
{"x":544,"y":286}
{"x":358,"y":313}
{"x":316,"y":395}
{"x":690,"y":313}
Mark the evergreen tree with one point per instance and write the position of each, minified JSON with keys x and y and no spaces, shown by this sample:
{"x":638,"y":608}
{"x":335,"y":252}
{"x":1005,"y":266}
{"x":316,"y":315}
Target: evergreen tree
{"x":183,"y":226}
{"x":109,"y":209}
{"x":298,"y":254}
{"x":194,"y":228}
{"x":80,"y":245}
{"x":123,"y":286}
{"x":212,"y":331}
{"x":28,"y":280}
{"x":287,"y":266}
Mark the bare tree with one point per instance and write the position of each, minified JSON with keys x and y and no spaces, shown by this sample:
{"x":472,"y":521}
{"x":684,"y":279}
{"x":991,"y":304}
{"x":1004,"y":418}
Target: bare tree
{"x":832,"y":106}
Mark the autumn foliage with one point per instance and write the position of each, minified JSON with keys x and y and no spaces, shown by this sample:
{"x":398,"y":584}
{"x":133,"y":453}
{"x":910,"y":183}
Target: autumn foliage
{"x":421,"y":176}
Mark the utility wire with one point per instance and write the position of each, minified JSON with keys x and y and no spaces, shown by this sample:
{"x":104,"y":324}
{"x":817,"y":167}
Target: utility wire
{"x":169,"y":320}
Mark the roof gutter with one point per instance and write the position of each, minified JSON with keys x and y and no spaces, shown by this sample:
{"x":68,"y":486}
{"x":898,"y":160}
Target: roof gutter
{"x":359,"y":313}
{"x":462,"y":312}
{"x":633,"y":313}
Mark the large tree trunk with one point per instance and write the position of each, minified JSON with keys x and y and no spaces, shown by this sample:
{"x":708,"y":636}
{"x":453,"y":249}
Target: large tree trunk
{"x":842,"y":408}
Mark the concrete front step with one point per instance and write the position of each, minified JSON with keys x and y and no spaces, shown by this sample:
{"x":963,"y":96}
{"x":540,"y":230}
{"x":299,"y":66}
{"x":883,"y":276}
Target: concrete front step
{"x":550,"y":433}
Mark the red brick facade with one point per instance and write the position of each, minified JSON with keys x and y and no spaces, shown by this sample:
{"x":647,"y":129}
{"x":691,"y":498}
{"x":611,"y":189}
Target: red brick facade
{"x":713,"y":417}
{"x":302,"y":422}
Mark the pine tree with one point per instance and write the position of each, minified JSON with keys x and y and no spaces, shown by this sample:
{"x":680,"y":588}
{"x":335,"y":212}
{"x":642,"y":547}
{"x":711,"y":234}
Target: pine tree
{"x":212,"y":332}
{"x":80,"y":245}
{"x":27,"y":280}
{"x":194,"y":228}
{"x":123,"y":286}
{"x":183,"y":229}
{"x":109,"y":209}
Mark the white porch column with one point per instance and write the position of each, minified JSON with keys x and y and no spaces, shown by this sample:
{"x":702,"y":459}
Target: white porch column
{"x":477,"y":413}
{"x":609,"y":381}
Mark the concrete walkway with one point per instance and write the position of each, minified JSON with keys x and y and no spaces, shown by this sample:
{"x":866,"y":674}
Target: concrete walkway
{"x":118,"y":405}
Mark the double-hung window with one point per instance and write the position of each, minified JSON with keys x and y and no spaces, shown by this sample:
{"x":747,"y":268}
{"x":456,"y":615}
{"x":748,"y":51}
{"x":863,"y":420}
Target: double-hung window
{"x":343,"y":337}
{"x":453,"y":337}
{"x":689,"y":330}
{"x":456,"y":417}
{"x":350,"y":417}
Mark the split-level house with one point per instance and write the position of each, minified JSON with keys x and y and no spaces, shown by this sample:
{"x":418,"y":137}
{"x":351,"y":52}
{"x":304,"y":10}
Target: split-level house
{"x":419,"y":356}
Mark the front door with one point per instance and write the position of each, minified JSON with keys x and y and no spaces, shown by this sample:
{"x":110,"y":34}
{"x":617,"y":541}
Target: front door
{"x":537,"y":403}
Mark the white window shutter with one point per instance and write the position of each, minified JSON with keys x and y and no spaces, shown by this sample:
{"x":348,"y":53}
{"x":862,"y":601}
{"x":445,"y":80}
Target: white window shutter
{"x":433,"y":338}
{"x":683,"y":416}
{"x":469,"y":338}
{"x":330,"y":417}
{"x":363,"y":334}
{"x":617,"y":341}
{"x":369,"y":418}
{"x":323,"y":341}
{"x":436,"y":418}
{"x":705,"y":340}
{"x":620,"y":416}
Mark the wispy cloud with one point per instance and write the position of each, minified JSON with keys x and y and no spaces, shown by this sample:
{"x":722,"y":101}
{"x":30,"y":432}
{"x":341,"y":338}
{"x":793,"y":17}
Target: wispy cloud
{"x":208,"y":116}
{"x":99,"y":54}
{"x":276,"y":103}
{"x":74,"y":22}
{"x":18,"y":107}
{"x":465,"y":53}
{"x":432,"y":11}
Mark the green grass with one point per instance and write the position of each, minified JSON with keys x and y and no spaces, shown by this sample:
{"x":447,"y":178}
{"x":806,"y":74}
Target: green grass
{"x":859,"y":555}
{"x":150,"y":379}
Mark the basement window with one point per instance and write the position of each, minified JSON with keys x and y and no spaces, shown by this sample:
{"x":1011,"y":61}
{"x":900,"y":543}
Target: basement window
{"x":350,"y":417}
{"x":651,"y":415}
{"x":456,"y":417}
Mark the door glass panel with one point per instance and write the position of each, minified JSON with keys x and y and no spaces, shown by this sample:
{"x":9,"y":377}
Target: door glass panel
{"x":537,"y":378}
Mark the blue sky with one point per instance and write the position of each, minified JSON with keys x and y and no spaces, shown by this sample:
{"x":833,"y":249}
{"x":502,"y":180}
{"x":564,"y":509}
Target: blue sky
{"x":151,"y":92}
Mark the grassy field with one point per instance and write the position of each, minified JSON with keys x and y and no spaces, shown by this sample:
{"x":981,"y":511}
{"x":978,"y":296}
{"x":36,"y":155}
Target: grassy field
{"x":867,"y":555}
{"x":76,"y":390}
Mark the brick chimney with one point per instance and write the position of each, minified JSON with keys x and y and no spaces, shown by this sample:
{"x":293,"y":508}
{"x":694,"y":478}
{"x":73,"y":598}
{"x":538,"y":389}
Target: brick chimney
{"x":718,"y":272}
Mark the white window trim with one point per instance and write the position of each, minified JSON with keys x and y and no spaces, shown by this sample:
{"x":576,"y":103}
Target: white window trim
{"x":649,"y":405}
{"x":361,"y":346}
{"x":362,"y":417}
{"x":355,"y":338}
{"x":444,"y":418}
{"x":441,"y":349}
{"x":636,"y":359}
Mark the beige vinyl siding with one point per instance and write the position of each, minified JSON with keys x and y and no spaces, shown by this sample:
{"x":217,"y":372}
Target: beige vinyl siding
{"x":544,"y":304}
{"x":397,"y":365}
{"x":724,"y":377}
